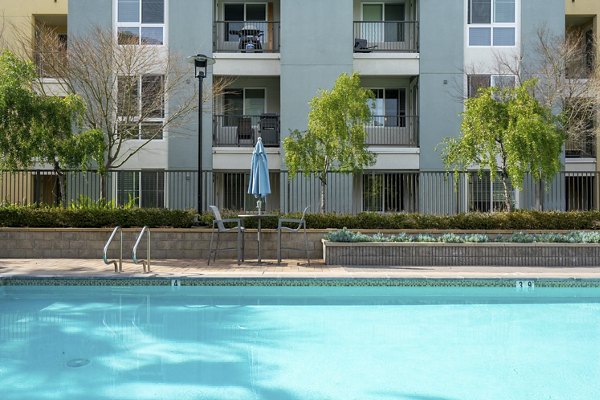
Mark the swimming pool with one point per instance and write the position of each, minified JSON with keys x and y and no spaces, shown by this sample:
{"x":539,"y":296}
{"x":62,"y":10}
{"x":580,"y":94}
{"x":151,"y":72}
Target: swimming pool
{"x":300,"y":342}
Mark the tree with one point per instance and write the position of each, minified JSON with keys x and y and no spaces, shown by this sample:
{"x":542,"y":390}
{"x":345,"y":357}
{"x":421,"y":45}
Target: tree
{"x":125,"y":87}
{"x":39,"y":128}
{"x":510,"y":133}
{"x":335,"y":139}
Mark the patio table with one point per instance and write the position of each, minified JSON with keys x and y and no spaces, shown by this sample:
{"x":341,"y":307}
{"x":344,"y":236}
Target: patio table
{"x":259,"y":217}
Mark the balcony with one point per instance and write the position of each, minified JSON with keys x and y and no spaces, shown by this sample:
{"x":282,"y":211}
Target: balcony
{"x":393,"y":130}
{"x":386,"y":36}
{"x":244,"y":130}
{"x":246,"y":37}
{"x":581,"y":148}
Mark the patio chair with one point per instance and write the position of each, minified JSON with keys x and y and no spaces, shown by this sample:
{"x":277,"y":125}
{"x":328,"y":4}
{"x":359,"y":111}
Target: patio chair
{"x":301,"y":227}
{"x":244,"y":130}
{"x":218,"y":228}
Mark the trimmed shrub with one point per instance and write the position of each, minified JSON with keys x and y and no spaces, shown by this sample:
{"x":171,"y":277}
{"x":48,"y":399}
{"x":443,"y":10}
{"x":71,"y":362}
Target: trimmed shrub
{"x":54,"y":217}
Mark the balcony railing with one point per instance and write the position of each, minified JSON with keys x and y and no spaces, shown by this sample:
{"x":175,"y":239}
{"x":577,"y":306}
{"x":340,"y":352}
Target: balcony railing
{"x":246,"y":36}
{"x":580,"y":148}
{"x":393,"y":130}
{"x":50,"y":64}
{"x":244,"y":130}
{"x":388,"y":36}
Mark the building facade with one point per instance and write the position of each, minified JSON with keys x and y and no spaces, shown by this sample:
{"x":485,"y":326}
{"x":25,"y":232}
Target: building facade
{"x":420,"y":58}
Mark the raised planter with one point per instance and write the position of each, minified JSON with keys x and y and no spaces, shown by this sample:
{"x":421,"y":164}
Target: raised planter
{"x":465,"y":254}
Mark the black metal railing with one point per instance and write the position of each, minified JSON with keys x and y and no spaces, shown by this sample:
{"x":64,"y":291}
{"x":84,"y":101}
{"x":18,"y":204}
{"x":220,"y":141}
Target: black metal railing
{"x":388,"y":36}
{"x":393,"y":130}
{"x":427,"y":192}
{"x":246,"y":36}
{"x":581,"y":148}
{"x":244,"y":130}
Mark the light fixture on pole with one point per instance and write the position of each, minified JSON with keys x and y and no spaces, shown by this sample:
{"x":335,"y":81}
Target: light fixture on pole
{"x":200,"y":62}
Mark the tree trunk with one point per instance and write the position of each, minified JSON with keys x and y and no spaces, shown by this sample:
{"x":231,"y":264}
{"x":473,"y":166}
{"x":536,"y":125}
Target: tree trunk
{"x":323,"y":194}
{"x":507,"y":196}
{"x":102,"y":185}
{"x":62,"y":189}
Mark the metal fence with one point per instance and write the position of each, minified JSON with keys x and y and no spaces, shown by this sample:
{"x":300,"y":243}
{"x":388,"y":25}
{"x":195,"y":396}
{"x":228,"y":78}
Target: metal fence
{"x":389,"y":36}
{"x":429,"y":192}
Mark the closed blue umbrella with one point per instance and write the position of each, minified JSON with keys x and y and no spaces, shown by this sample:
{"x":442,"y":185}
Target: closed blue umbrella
{"x":259,"y":173}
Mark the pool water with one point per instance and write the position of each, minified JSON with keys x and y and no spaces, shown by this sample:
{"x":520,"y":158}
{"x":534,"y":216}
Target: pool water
{"x":289,"y":343}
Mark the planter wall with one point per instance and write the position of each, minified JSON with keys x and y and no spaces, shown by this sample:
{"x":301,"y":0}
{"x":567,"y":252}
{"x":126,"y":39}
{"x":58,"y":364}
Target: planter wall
{"x":166,"y":243}
{"x":464,"y":254}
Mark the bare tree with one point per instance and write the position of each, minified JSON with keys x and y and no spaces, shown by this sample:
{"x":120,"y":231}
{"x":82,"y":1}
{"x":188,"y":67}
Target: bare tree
{"x":568,"y":80}
{"x":125,"y":86}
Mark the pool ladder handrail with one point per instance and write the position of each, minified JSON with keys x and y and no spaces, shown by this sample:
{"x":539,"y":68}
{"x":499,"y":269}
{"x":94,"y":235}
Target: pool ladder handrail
{"x":118,"y":263}
{"x":146,"y":262}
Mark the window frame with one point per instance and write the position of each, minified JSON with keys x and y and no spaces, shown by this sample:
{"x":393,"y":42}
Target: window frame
{"x":138,"y":191}
{"x":140,"y":25}
{"x":491,"y":82}
{"x":401,"y":114}
{"x":492,"y":26}
{"x":137,"y":118}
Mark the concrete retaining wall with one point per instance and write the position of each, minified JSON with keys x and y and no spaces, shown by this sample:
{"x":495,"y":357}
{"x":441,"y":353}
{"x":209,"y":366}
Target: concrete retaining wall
{"x":468,"y":254}
{"x":166,"y":243}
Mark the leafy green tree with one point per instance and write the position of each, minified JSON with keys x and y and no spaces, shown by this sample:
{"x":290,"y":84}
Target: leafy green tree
{"x":335,"y":139}
{"x":508,"y":132}
{"x":39,"y":128}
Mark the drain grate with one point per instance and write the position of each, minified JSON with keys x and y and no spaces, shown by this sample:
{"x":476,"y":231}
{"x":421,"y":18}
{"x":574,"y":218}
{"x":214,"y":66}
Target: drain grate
{"x":78,"y":362}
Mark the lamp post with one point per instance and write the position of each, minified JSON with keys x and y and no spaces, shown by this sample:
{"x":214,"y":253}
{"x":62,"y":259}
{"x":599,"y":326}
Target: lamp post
{"x":200,"y":62}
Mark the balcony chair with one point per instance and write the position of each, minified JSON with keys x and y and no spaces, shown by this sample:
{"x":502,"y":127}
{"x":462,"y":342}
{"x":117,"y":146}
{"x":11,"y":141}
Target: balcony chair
{"x":301,"y":226}
{"x":218,"y":228}
{"x":360,"y":46}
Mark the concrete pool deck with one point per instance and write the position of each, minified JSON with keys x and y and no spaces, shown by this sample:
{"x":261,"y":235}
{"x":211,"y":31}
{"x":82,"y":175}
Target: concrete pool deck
{"x":86,"y":268}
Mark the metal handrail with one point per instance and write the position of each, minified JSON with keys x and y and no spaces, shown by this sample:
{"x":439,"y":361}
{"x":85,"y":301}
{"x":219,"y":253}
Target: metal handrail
{"x":119,"y":265}
{"x":146,"y":262}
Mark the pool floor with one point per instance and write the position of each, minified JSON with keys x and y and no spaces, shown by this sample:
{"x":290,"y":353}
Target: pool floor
{"x":299,"y":343}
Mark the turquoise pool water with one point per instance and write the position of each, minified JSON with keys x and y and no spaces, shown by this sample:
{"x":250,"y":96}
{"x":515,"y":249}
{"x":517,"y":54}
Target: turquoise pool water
{"x":292,"y":343}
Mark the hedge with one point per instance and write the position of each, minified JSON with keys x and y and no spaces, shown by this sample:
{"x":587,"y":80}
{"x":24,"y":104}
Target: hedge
{"x":18,"y":216}
{"x":14,"y":216}
{"x":516,"y":220}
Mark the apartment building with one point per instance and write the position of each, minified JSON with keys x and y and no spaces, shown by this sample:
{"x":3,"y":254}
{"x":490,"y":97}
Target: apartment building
{"x":420,"y":58}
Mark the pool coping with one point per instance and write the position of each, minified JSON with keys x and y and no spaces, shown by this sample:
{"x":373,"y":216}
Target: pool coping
{"x":302,"y":282}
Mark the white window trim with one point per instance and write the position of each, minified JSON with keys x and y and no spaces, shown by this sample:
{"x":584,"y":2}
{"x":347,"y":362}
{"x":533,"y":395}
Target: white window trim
{"x":164,"y":25}
{"x":136,"y":119}
{"x":516,"y":25}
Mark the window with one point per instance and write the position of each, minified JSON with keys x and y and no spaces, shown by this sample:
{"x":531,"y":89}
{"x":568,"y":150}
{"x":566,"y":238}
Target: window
{"x":386,"y":23}
{"x":146,"y":188}
{"x":390,"y":192}
{"x":238,"y":102}
{"x":141,"y":106}
{"x":492,"y":22}
{"x":141,"y":22}
{"x":477,"y":82}
{"x":237,"y":15}
{"x":389,"y":107}
{"x":484,"y":195}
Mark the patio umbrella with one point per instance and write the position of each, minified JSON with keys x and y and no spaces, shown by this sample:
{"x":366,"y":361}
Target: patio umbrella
{"x":259,"y":174}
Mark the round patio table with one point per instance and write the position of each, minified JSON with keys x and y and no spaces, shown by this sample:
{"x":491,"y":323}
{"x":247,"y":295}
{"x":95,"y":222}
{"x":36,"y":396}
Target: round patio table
{"x":259,"y":217}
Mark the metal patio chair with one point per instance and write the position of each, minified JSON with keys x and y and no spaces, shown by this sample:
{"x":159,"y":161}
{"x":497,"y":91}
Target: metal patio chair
{"x":301,"y":227}
{"x":218,"y":228}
